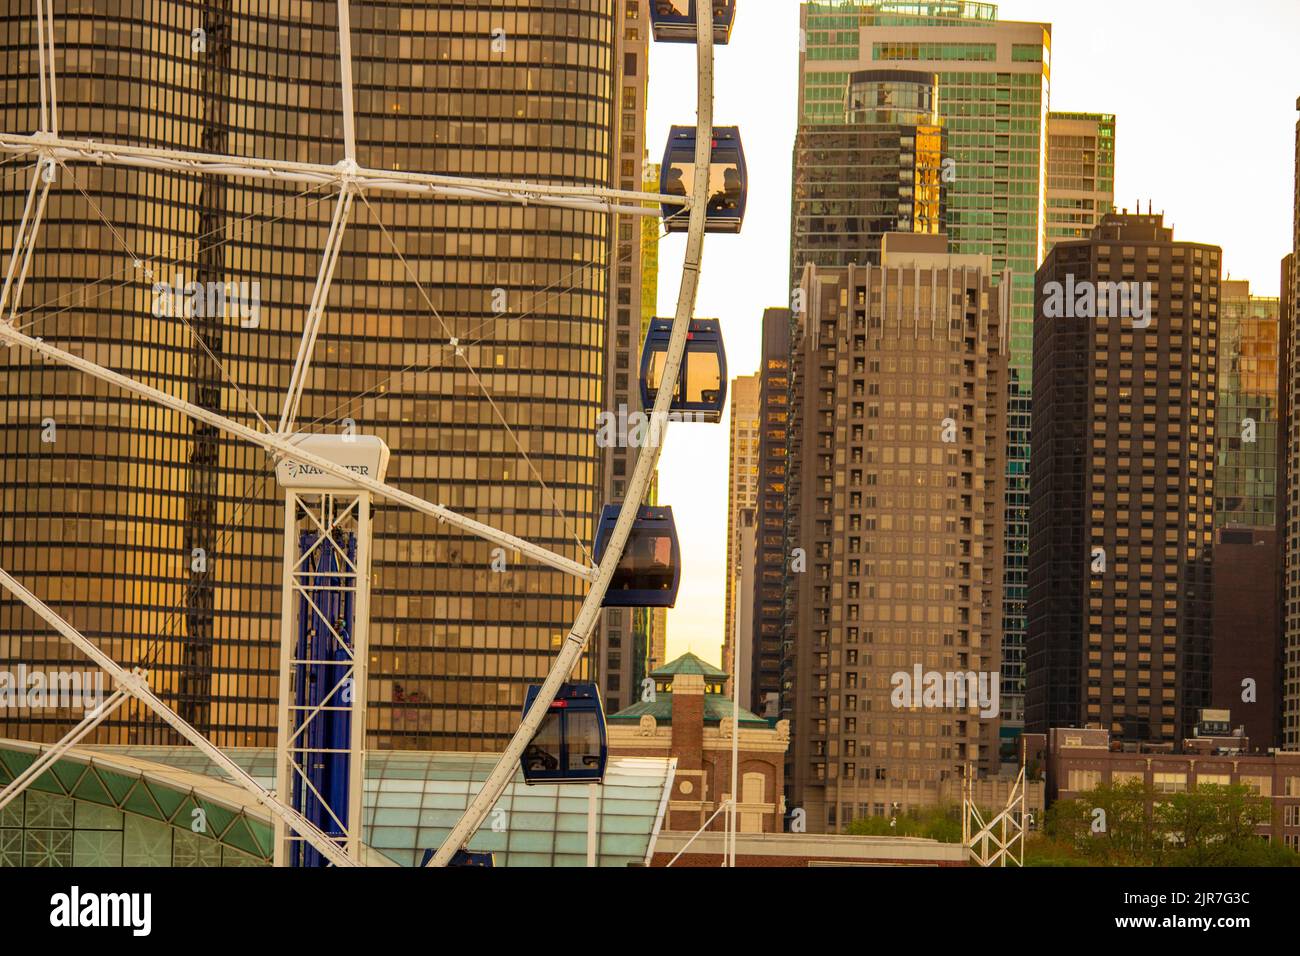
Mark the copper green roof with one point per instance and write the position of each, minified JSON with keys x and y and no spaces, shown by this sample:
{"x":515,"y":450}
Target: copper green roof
{"x":661,"y":709}
{"x":688,"y":663}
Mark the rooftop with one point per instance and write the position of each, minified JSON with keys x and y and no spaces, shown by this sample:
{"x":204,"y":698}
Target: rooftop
{"x":143,"y":799}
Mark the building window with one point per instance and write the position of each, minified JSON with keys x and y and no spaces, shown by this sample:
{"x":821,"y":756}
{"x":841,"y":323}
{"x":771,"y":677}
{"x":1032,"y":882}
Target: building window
{"x":1081,"y":780}
{"x":1170,"y":782}
{"x":1261,"y":786}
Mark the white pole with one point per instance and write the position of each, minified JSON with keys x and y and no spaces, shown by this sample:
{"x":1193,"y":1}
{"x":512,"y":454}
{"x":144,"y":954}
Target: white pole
{"x":704,"y":826}
{"x":642,"y":472}
{"x":360,"y":676}
{"x":20,"y":234}
{"x":45,"y":168}
{"x":316,"y":310}
{"x":283,"y":769}
{"x":593,"y":798}
{"x":345,"y":71}
{"x":40,"y":52}
{"x":54,"y":81}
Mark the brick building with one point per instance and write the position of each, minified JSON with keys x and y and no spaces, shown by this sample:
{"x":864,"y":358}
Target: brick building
{"x":690,"y":718}
{"x":1076,"y":760}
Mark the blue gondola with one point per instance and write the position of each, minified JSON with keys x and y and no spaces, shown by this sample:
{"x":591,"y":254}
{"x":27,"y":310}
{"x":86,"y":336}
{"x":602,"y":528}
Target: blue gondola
{"x":570,"y":746}
{"x":464,"y":858}
{"x":674,"y":20}
{"x":702,"y":385}
{"x":651,"y":569}
{"x":728,"y":179}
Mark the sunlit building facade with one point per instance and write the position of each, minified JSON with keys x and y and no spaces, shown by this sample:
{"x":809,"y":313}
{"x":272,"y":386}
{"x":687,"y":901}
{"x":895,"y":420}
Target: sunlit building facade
{"x":107,"y":522}
{"x":1246,"y":469}
{"x":742,"y":495}
{"x":879,"y":172}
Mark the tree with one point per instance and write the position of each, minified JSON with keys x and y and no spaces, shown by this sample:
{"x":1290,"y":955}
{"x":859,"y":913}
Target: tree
{"x":1112,"y":826}
{"x":1214,"y":824}
{"x":942,"y":823}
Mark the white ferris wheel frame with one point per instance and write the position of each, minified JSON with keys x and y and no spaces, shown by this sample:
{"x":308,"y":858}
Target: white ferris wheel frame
{"x":50,"y":152}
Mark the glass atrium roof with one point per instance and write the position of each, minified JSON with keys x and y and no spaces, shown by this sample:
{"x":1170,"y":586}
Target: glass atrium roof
{"x":412,"y":799}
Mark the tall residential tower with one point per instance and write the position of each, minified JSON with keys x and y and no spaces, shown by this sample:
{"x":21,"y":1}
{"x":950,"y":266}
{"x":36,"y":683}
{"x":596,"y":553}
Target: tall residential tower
{"x":1080,"y":173}
{"x":900,"y":431}
{"x":742,"y":495}
{"x":1122,"y":513}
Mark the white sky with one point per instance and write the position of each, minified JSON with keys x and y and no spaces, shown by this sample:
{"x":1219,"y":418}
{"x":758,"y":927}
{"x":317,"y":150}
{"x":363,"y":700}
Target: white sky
{"x":1204,"y":95}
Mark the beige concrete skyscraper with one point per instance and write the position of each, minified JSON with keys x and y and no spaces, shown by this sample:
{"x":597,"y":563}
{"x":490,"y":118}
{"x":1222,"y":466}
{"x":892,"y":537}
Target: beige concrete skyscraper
{"x":742,"y":485}
{"x":900,"y":425}
{"x":1080,"y":173}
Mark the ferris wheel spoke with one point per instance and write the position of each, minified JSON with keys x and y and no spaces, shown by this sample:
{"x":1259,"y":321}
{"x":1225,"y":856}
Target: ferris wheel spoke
{"x":345,"y":173}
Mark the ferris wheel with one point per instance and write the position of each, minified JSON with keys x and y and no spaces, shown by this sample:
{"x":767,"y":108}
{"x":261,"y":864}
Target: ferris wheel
{"x":702,"y":190}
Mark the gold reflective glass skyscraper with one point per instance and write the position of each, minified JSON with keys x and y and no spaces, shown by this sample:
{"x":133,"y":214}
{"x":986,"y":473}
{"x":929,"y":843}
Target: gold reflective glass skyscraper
{"x":159,"y":538}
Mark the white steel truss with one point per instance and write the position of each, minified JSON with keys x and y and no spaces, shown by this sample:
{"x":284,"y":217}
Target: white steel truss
{"x":586,"y":198}
{"x":49,"y":150}
{"x":287,"y":448}
{"x":136,"y":684}
{"x":331,"y":515}
{"x":316,"y":311}
{"x":1002,"y":838}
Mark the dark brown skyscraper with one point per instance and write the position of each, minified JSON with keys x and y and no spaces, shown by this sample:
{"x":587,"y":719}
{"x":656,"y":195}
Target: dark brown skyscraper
{"x":769,"y":591}
{"x":1122,"y":505}
{"x":1291,"y":513}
